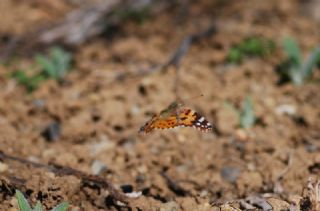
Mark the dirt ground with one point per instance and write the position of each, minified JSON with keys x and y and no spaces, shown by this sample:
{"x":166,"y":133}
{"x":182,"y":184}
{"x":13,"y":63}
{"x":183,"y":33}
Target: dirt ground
{"x":178,"y":169}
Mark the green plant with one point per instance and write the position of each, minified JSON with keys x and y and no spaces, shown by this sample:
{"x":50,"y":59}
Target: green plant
{"x":246,"y":114}
{"x":253,"y":46}
{"x":293,"y":68}
{"x":55,"y":66}
{"x":30,"y":82}
{"x":24,"y":205}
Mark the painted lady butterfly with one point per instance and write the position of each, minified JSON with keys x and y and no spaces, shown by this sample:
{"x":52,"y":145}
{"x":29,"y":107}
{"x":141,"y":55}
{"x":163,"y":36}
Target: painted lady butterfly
{"x":176,"y":115}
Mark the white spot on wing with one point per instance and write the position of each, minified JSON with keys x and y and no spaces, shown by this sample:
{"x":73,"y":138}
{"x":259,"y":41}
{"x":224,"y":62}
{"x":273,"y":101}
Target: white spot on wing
{"x":201,"y":119}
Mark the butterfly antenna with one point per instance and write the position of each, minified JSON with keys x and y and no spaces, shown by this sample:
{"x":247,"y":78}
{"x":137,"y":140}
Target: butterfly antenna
{"x":191,"y":98}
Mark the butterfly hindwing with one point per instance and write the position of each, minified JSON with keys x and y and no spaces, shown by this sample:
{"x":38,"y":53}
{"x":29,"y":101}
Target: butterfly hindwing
{"x":192,"y":118}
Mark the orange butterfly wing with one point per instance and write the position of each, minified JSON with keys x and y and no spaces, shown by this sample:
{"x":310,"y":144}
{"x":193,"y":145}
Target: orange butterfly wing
{"x":184,"y":117}
{"x":191,"y":118}
{"x":167,"y":123}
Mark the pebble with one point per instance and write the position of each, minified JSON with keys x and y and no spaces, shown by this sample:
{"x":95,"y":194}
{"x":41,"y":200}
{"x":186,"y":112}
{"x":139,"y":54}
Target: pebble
{"x":52,"y":132}
{"x":134,"y":194}
{"x":204,"y":193}
{"x":230,"y":174}
{"x":286,"y":109}
{"x":259,"y":201}
{"x":38,"y":103}
{"x":98,"y":167}
{"x":251,"y":166}
{"x":135,"y":110}
{"x":3,"y":167}
{"x":102,"y":145}
{"x":142,"y":169}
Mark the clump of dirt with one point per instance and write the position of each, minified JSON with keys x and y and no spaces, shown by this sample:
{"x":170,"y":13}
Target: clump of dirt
{"x":99,"y":117}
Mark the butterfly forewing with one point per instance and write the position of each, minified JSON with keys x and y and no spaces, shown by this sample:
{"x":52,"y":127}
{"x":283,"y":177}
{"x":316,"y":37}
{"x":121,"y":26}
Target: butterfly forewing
{"x":167,"y":123}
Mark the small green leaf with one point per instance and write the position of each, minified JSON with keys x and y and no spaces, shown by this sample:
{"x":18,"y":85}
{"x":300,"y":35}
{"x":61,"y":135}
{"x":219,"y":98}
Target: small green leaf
{"x":37,"y":207}
{"x":33,"y":82}
{"x":296,"y":76}
{"x":311,"y":63}
{"x":56,"y":65}
{"x":247,"y":115}
{"x":47,"y":65}
{"x":253,"y":46}
{"x":292,"y":49}
{"x":61,"y":60}
{"x":61,"y":207}
{"x":22,"y":201}
{"x":294,"y":69}
{"x":20,"y":76}
{"x":234,"y":56}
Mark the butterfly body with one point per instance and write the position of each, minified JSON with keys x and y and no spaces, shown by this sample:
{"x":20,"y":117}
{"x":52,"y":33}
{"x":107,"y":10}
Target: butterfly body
{"x":176,"y":115}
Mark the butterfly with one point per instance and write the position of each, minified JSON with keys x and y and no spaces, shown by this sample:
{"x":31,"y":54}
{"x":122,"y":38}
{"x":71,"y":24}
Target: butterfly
{"x":176,"y":115}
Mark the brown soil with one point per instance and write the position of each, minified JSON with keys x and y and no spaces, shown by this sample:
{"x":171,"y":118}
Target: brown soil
{"x":182,"y":168}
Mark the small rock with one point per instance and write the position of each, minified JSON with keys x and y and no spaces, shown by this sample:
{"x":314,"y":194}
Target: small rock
{"x":246,"y":206}
{"x":182,"y":168}
{"x":38,"y":103}
{"x":104,"y":144}
{"x":204,"y":193}
{"x":98,"y":167}
{"x":142,"y":169}
{"x":251,"y":166}
{"x":3,"y":167}
{"x":134,"y":194}
{"x":14,"y":202}
{"x":135,"y":110}
{"x":278,"y":204}
{"x":33,"y":159}
{"x":242,"y":135}
{"x":52,"y":131}
{"x":310,"y":147}
{"x":286,"y":109}
{"x":230,"y":174}
{"x":181,"y":138}
{"x":259,"y":202}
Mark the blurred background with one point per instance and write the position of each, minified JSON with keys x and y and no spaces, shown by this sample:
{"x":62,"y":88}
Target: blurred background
{"x":79,"y":78}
